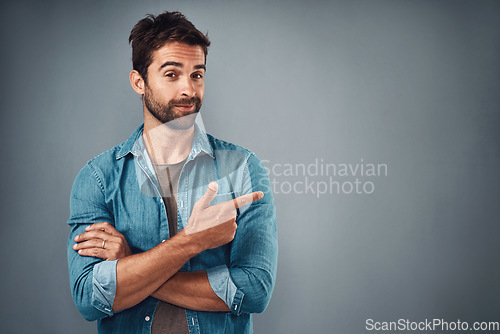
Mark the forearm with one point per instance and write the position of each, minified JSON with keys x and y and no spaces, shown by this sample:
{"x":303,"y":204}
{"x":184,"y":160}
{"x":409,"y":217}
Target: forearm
{"x":139,"y":275}
{"x":192,"y":291}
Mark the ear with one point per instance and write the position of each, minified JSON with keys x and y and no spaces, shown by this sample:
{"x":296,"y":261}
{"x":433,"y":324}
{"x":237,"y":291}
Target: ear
{"x":137,"y":82}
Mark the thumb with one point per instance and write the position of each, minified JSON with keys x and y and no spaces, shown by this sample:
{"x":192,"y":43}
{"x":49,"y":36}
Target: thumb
{"x":209,"y":195}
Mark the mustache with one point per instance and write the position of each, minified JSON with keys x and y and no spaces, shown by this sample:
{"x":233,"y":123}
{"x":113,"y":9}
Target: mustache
{"x":193,"y":100}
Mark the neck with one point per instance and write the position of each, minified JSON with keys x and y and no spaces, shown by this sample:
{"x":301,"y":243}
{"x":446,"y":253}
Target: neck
{"x":166,"y":145}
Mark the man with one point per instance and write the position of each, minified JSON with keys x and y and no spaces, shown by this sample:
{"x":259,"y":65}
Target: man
{"x":172,"y":231}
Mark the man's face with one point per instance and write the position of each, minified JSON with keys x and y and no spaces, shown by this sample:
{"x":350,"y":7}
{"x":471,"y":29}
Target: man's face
{"x":176,"y":84}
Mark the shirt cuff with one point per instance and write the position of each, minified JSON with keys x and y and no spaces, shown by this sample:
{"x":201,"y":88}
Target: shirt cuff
{"x":224,"y":287}
{"x":104,"y":286}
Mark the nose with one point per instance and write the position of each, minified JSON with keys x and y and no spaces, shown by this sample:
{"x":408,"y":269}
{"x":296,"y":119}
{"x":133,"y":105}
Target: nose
{"x":187,"y":88}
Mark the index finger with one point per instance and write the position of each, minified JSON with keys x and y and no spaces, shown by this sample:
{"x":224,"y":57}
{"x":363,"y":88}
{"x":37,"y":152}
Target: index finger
{"x":243,"y":200}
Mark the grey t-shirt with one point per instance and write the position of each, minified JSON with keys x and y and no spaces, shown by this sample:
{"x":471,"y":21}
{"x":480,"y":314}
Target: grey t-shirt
{"x":169,"y":318}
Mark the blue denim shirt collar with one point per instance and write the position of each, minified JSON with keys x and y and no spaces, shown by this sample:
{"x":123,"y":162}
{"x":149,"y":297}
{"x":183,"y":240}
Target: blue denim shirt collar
{"x":135,"y":144}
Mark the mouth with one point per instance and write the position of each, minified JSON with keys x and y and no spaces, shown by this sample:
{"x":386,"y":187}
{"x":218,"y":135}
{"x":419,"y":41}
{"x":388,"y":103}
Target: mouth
{"x":184,"y":107}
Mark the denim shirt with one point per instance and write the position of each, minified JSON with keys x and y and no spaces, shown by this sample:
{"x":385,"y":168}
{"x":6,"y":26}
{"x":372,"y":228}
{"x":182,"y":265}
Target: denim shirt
{"x":119,"y":186}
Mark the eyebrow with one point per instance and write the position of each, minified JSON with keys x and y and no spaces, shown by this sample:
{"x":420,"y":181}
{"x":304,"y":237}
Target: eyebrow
{"x":176,"y":64}
{"x":171,"y":63}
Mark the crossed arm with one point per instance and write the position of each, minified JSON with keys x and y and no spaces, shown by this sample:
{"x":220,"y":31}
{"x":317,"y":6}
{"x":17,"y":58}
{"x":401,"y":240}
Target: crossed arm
{"x":155,"y":272}
{"x":190,"y":290}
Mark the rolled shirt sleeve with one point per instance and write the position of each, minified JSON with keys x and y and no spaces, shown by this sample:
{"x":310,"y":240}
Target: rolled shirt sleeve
{"x":224,"y":287}
{"x":104,"y":286}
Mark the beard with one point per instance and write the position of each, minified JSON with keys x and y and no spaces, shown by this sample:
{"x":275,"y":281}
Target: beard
{"x":166,"y":114}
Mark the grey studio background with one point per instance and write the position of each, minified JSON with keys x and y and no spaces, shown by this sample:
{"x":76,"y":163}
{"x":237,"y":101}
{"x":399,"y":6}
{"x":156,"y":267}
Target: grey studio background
{"x":410,"y":85}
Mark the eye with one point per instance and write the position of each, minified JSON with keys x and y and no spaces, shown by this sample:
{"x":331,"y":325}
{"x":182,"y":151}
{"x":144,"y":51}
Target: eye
{"x":170,"y":74}
{"x":197,"y":76}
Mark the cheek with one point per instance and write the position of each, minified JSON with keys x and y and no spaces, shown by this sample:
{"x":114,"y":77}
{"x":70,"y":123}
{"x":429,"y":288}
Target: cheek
{"x":166,"y":94}
{"x":201,"y":91}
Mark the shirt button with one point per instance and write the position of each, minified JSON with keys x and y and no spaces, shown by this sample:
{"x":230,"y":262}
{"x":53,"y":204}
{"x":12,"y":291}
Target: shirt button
{"x":161,"y":200}
{"x":147,"y":318}
{"x":163,"y":240}
{"x":181,"y":203}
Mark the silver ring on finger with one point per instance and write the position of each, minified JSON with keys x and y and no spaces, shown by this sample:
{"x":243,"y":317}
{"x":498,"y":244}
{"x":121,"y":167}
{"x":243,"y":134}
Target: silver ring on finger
{"x":103,"y":243}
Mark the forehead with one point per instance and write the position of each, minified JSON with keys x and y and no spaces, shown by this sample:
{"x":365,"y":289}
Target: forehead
{"x":179,"y":52}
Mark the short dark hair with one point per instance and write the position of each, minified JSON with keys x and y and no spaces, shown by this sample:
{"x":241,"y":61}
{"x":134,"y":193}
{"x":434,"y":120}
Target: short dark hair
{"x":152,"y":32}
